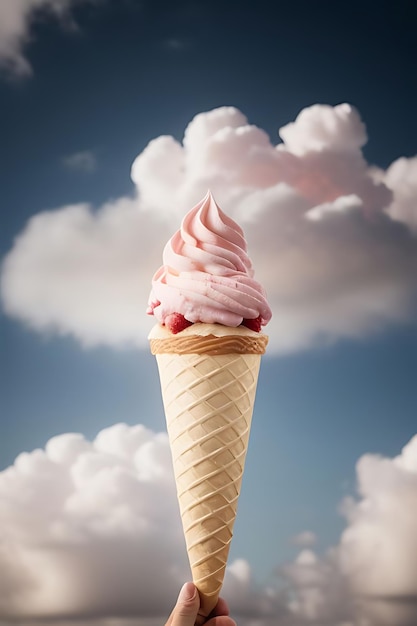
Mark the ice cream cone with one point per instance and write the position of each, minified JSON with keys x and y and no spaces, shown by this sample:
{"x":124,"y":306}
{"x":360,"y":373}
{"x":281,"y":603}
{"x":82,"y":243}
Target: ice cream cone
{"x":208,"y":386}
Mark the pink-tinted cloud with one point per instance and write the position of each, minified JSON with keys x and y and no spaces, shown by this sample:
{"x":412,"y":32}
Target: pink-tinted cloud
{"x":332,"y":238}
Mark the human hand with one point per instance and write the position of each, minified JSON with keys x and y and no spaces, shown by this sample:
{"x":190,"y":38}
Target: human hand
{"x":185,"y":612}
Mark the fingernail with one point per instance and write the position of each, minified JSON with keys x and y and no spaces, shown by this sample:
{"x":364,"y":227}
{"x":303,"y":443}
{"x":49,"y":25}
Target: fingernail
{"x":188,"y":592}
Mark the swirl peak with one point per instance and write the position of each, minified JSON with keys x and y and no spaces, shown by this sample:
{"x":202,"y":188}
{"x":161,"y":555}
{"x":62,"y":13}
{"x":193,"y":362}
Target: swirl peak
{"x":207,"y":275}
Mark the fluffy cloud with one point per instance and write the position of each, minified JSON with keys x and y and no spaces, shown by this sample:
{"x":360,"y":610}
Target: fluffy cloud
{"x":370,"y":578}
{"x":91,"y":280}
{"x":320,"y":593}
{"x":16,"y":17}
{"x":91,"y":531}
{"x":332,"y":238}
{"x":378,"y":550}
{"x":84,"y":527}
{"x":401,"y":177}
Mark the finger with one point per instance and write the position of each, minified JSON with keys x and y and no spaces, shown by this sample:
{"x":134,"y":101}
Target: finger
{"x":221,"y":608}
{"x":186,"y":608}
{"x":218,"y":616}
{"x":221,"y":620}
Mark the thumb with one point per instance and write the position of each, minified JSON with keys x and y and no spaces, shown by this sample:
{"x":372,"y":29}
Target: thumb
{"x":186,"y":609}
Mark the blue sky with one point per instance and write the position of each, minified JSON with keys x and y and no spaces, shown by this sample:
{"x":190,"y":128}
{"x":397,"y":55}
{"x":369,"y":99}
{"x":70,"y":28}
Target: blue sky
{"x":84,"y":87}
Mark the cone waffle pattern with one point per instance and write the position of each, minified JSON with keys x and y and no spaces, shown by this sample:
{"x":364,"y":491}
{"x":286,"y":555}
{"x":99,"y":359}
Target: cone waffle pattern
{"x":208,"y":404}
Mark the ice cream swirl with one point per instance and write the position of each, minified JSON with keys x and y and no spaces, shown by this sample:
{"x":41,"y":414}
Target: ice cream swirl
{"x":207,"y":275}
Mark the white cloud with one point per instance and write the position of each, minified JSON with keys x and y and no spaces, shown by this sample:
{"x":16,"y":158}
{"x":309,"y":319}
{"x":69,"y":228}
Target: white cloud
{"x":401,"y":177}
{"x":323,"y":229}
{"x":83,"y":161}
{"x":319,"y":593}
{"x":91,"y":279}
{"x":92,"y":529}
{"x":370,"y":578}
{"x":378,"y":550}
{"x":343,"y":204}
{"x":16,"y":18}
{"x":84,"y":527}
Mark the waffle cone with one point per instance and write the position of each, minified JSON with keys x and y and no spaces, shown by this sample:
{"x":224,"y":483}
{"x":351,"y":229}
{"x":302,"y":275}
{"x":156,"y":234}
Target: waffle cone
{"x":208,"y":400}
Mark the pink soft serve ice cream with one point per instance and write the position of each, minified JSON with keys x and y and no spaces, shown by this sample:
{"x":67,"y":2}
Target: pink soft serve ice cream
{"x":207,"y":275}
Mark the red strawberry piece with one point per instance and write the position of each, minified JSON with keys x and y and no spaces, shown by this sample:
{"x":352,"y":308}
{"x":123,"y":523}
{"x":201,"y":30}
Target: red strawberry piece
{"x":176,"y":323}
{"x":253,"y":324}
